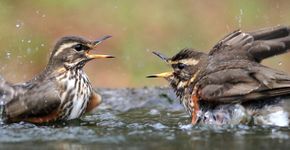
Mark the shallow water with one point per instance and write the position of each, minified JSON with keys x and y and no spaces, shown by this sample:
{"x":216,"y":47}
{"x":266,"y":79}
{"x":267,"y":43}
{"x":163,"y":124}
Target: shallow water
{"x":139,"y":119}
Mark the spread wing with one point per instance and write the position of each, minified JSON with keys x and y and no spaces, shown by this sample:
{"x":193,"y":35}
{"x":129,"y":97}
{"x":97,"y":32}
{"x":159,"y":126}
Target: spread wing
{"x":259,"y":44}
{"x":38,"y":101}
{"x":240,"y":85}
{"x":233,"y":41}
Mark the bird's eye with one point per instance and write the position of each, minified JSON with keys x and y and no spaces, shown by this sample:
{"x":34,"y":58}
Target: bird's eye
{"x":181,"y":66}
{"x":80,"y":47}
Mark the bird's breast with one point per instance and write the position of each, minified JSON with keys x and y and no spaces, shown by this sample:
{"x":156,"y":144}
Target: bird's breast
{"x":75,"y":93}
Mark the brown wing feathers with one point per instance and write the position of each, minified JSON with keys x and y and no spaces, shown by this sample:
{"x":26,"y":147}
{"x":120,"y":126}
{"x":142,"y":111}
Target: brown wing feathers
{"x":270,"y":42}
{"x":266,"y":82}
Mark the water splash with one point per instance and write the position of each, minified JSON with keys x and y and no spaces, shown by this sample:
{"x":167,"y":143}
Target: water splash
{"x":8,"y":55}
{"x":19,"y":24}
{"x":29,"y":50}
{"x":1,"y":107}
{"x":154,"y":112}
{"x":239,"y":18}
{"x":40,"y":14}
{"x":159,"y":126}
{"x":136,"y":128}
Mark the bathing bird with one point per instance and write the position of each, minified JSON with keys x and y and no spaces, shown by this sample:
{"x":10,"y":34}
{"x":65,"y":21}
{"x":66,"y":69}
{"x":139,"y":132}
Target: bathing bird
{"x":62,"y":91}
{"x":231,"y":75}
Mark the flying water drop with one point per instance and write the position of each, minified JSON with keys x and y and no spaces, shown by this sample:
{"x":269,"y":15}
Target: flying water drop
{"x":19,"y":24}
{"x":239,"y":18}
{"x":28,"y":50}
{"x":8,"y":55}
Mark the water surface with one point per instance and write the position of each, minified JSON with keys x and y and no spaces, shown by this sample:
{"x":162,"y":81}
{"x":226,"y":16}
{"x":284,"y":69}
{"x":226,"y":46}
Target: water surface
{"x":139,"y":119}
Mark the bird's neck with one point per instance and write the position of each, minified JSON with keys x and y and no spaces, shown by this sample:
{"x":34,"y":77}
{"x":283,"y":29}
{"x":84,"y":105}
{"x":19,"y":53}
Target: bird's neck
{"x":52,"y":71}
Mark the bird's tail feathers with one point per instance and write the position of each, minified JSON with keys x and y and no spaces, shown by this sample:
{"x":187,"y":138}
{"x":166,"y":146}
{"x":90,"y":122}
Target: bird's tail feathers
{"x":270,"y":33}
{"x":270,"y":42}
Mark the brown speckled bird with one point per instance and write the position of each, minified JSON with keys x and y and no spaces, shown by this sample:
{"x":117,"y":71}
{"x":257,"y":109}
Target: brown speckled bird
{"x":231,"y":73}
{"x":61,"y":92}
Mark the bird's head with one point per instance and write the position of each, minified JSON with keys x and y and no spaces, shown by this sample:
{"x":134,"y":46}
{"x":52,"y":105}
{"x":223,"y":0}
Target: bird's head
{"x":185,"y":65}
{"x":73,"y":52}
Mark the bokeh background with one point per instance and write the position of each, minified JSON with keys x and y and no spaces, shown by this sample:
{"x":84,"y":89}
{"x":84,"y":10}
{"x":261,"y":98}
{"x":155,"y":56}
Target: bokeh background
{"x":29,"y":29}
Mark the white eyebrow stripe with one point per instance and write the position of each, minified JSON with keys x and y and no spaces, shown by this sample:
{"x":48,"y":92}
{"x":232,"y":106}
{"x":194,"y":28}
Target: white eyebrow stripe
{"x":64,"y":46}
{"x":189,"y":61}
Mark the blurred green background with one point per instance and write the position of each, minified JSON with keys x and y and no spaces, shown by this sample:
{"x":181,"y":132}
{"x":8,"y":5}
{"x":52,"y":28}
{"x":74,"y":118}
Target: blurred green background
{"x":29,"y":29}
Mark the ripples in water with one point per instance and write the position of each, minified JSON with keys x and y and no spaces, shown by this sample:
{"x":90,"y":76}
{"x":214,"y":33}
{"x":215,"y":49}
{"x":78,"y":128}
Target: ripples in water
{"x":138,"y":129}
{"x":138,"y":121}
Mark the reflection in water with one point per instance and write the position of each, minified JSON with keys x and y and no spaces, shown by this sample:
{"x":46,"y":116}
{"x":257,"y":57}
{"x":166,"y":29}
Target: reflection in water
{"x":157,"y":123}
{"x":70,"y":146}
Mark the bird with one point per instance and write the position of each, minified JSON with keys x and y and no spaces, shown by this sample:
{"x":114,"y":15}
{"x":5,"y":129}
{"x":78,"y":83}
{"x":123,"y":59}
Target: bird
{"x":232,"y":73}
{"x":62,"y":91}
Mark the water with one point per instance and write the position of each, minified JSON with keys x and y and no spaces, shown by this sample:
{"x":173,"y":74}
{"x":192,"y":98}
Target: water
{"x":140,"y":121}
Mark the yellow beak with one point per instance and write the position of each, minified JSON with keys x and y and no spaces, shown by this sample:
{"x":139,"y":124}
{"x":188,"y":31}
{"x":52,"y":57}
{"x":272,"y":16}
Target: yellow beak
{"x":96,"y":56}
{"x":161,"y":75}
{"x":93,"y":45}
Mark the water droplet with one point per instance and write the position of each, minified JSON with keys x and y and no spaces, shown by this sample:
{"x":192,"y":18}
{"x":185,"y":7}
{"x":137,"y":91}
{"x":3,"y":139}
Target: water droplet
{"x":241,"y":12}
{"x":17,"y":25}
{"x":239,"y":18}
{"x":8,"y":55}
{"x":185,"y":127}
{"x":280,"y":63}
{"x":42,"y":45}
{"x":29,"y":41}
{"x":28,"y":50}
{"x":159,"y":126}
{"x":43,"y":15}
{"x":2,"y":102}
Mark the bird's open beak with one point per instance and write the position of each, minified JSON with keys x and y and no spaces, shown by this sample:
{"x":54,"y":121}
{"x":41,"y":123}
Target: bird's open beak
{"x":161,"y":75}
{"x":97,"y":56}
{"x":163,"y":57}
{"x":100,"y":40}
{"x":94,"y":44}
{"x":165,"y":75}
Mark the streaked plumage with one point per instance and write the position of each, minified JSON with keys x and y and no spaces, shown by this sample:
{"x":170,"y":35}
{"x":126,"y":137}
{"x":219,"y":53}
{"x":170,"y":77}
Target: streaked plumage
{"x":61,"y":92}
{"x":232,"y":74}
